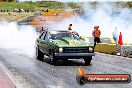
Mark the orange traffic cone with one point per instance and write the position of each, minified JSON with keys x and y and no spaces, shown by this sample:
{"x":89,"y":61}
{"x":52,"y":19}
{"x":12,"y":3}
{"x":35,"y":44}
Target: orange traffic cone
{"x":120,"y":42}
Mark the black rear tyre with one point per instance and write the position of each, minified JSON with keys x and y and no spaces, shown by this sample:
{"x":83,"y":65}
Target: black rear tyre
{"x":39,"y":54}
{"x":88,"y":60}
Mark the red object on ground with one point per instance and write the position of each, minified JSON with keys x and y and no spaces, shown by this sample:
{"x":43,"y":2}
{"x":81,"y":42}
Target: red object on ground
{"x":120,"y":42}
{"x":5,"y":81}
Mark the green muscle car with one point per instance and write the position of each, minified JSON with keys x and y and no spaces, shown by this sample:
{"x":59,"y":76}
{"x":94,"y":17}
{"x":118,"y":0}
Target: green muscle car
{"x":63,"y":45}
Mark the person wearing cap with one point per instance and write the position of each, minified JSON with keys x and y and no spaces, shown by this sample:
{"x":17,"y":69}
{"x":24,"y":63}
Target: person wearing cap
{"x":69,"y":27}
{"x":96,"y":34}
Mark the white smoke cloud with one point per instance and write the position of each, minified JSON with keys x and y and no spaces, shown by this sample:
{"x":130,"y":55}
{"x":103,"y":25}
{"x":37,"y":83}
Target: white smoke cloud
{"x":107,"y":16}
{"x":22,"y":38}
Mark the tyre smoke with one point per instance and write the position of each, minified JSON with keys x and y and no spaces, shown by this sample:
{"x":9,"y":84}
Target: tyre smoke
{"x":106,"y":15}
{"x":18,"y":39}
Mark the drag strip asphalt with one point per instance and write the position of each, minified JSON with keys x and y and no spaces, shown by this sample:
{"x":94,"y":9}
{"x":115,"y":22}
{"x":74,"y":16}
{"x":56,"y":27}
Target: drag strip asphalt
{"x":31,"y":73}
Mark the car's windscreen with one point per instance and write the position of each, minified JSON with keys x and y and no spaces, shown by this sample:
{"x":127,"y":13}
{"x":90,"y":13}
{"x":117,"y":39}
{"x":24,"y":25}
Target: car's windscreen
{"x":58,"y":36}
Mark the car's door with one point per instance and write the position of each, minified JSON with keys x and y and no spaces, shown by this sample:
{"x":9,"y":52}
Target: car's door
{"x":46,"y":45}
{"x":42,"y":42}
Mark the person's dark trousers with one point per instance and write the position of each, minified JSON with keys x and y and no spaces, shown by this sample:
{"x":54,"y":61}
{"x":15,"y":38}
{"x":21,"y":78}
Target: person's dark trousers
{"x":96,"y":40}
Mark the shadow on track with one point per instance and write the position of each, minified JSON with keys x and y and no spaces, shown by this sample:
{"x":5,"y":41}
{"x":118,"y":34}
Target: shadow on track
{"x":70,"y":62}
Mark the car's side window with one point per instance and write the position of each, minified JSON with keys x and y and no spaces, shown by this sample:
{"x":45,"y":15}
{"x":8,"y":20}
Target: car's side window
{"x":46,"y":37}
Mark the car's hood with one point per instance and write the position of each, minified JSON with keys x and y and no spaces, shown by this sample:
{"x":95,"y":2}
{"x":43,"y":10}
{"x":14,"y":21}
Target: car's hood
{"x":66,"y":42}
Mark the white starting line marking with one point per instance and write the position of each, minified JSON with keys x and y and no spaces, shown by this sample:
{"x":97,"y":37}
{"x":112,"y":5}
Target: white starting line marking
{"x":113,"y":56}
{"x":11,"y":77}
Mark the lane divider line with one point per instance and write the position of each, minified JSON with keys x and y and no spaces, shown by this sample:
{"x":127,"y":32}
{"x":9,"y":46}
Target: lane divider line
{"x":11,"y":77}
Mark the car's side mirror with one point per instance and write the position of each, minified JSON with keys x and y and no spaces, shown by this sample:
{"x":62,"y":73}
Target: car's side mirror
{"x":40,"y":41}
{"x":82,"y":38}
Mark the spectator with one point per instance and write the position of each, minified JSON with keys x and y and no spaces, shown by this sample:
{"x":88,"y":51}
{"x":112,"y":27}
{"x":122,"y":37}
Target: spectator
{"x":96,"y":34}
{"x":115,"y":35}
{"x":69,"y":27}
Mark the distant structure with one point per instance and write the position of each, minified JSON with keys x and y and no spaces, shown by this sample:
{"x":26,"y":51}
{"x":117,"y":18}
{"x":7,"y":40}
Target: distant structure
{"x":8,"y":0}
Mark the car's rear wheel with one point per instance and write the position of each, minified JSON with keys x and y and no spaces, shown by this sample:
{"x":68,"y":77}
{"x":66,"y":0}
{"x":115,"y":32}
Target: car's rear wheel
{"x":39,"y":54}
{"x":88,"y":60}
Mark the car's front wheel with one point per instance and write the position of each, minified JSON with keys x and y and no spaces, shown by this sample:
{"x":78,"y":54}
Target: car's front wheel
{"x":39,"y":54}
{"x":88,"y":60}
{"x":52,"y":58}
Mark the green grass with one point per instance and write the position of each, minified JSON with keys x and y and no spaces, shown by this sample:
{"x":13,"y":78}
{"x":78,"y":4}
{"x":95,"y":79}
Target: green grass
{"x":13,"y":5}
{"x":52,"y":5}
{"x":36,"y":6}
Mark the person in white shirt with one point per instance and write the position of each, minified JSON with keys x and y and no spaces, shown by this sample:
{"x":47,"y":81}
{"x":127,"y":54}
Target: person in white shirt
{"x":115,"y":35}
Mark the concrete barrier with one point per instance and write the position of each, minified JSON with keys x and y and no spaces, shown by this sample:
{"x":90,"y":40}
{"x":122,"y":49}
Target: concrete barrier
{"x":108,"y":46}
{"x":111,"y":49}
{"x":101,"y":47}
